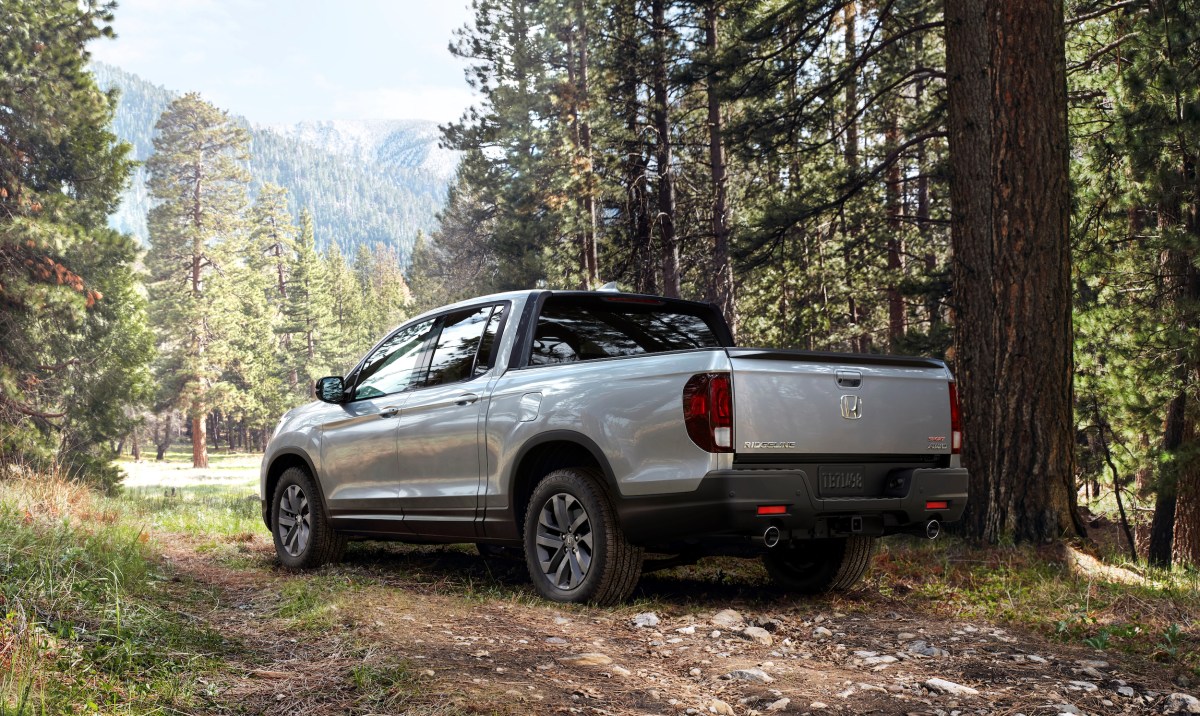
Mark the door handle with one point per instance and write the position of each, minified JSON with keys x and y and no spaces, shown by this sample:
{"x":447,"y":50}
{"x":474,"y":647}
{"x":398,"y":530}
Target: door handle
{"x":466,"y":399}
{"x":390,"y":411}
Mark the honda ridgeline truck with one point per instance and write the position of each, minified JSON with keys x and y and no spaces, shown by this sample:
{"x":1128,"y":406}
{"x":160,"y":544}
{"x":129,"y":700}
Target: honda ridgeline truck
{"x":585,"y":429}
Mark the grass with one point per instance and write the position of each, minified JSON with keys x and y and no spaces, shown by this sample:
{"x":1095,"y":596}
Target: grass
{"x":1153,"y":614}
{"x":86,"y":627}
{"x":92,"y":621}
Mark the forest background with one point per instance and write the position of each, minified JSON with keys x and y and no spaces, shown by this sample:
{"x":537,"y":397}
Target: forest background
{"x":1011,"y":189}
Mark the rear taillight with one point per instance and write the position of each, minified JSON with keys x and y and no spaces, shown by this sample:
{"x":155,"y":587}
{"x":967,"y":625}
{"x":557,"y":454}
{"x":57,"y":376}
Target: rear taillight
{"x":956,"y":437}
{"x":708,"y":411}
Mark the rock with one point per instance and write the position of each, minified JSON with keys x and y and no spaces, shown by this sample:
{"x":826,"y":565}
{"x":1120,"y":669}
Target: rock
{"x":1127,"y":692}
{"x":758,"y":635}
{"x":556,"y":640}
{"x":866,"y":654}
{"x":876,"y":660}
{"x":694,"y":671}
{"x":1067,"y":709}
{"x":721,"y":708}
{"x":779,"y":705}
{"x":757,"y":676}
{"x":924,"y":649}
{"x":822,"y":633}
{"x":427,"y":672}
{"x":906,"y":636}
{"x":586,"y":659}
{"x":561,"y":620}
{"x":481,"y":654}
{"x":949,"y":687}
{"x":818,"y":705}
{"x":646,"y":619}
{"x":686,"y":631}
{"x":1092,"y":672}
{"x":621,"y":671}
{"x":727,"y":619}
{"x":716,"y":634}
{"x":1180,"y":704}
{"x":1036,"y":659}
{"x":1085,"y":685}
{"x":771,"y":625}
{"x":1093,"y":663}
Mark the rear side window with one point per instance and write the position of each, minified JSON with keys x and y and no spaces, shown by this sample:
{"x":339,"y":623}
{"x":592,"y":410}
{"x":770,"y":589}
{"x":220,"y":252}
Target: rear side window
{"x":458,"y":345}
{"x":576,"y":329}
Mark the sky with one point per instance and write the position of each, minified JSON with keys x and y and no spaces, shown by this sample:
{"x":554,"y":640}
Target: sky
{"x":285,"y":61}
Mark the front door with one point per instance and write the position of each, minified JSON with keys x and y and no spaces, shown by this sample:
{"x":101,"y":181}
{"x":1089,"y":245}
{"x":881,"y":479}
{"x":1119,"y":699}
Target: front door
{"x":440,"y":423}
{"x":358,"y":442}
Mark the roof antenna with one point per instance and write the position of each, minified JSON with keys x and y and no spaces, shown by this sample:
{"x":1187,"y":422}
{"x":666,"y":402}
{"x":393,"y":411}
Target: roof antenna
{"x":611,"y":286}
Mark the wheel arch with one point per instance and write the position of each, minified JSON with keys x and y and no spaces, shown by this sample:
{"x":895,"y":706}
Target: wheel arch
{"x":552,"y":451}
{"x":284,"y":460}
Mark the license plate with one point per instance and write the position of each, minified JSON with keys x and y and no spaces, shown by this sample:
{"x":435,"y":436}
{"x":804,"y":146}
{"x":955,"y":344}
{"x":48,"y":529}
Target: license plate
{"x":841,"y":480}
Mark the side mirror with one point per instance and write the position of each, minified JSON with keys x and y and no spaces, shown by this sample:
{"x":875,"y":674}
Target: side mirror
{"x":331,"y":389}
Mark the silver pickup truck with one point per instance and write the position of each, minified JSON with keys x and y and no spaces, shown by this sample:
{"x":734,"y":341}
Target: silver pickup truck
{"x":584,"y":429}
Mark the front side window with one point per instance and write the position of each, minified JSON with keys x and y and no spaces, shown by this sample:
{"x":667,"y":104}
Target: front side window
{"x":392,"y":367}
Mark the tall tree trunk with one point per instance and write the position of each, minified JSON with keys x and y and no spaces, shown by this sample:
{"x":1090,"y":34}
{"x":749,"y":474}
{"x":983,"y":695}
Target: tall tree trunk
{"x":850,"y":40}
{"x":583,"y":122}
{"x":164,"y":442}
{"x":721,"y":277}
{"x":1186,"y":543}
{"x":1008,"y":142}
{"x":895,"y":240}
{"x":669,"y":247}
{"x":135,"y":449}
{"x":199,"y":446}
{"x":1162,"y":528}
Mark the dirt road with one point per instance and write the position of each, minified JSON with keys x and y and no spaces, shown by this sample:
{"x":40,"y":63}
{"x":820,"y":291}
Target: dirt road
{"x":438,"y":630}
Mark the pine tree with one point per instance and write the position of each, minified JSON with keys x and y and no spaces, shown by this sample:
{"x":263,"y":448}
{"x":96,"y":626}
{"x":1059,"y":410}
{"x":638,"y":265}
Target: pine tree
{"x":349,"y":338}
{"x":197,"y":178}
{"x":306,"y":312}
{"x":72,"y":348}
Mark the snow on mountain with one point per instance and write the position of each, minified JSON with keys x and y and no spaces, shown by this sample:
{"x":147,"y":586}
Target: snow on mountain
{"x":392,"y":143}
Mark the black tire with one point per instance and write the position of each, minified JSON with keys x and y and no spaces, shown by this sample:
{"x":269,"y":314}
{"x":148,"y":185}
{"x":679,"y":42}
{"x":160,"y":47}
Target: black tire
{"x":582,"y":554}
{"x":309,"y":540}
{"x":825,"y":565}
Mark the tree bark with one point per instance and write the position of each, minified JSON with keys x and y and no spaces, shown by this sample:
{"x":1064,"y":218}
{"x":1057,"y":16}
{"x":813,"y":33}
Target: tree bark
{"x":165,"y":441}
{"x":1009,"y":230}
{"x":721,"y":276}
{"x":583,"y":108}
{"x":669,"y":248}
{"x":895,"y":240}
{"x":199,"y":444}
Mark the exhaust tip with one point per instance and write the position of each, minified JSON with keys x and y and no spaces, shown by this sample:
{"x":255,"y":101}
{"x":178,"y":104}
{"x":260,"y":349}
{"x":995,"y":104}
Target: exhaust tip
{"x":771,"y":536}
{"x":933,"y":528}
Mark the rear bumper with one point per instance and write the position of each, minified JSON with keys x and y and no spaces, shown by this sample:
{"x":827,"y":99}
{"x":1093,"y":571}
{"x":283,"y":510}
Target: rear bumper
{"x":727,"y":502}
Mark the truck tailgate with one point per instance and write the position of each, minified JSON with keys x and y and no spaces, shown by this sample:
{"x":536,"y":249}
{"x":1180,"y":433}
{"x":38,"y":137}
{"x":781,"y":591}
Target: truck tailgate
{"x":789,"y":405}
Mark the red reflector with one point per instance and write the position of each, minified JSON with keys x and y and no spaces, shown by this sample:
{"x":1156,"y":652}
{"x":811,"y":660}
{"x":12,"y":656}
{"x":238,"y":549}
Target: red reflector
{"x":937,"y":505}
{"x":772,"y":509}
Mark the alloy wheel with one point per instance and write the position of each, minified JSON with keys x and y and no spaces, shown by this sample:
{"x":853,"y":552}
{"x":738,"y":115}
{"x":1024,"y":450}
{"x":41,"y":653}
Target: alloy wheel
{"x":564,"y":541}
{"x":295,"y":520}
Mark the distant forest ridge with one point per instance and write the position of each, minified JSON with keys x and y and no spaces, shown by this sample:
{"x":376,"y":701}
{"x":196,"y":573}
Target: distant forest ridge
{"x":364,"y":181}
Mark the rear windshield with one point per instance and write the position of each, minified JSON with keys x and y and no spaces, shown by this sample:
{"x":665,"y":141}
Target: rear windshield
{"x":572,"y":328}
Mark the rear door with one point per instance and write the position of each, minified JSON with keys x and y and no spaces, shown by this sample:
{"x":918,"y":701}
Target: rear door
{"x":792,"y":404}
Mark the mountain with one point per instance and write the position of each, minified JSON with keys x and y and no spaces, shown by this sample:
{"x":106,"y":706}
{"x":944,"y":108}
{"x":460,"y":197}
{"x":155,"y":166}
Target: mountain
{"x":365,"y":182}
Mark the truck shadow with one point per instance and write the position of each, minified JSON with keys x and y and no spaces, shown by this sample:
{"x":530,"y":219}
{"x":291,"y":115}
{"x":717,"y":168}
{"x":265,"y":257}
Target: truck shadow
{"x":459,"y":570}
